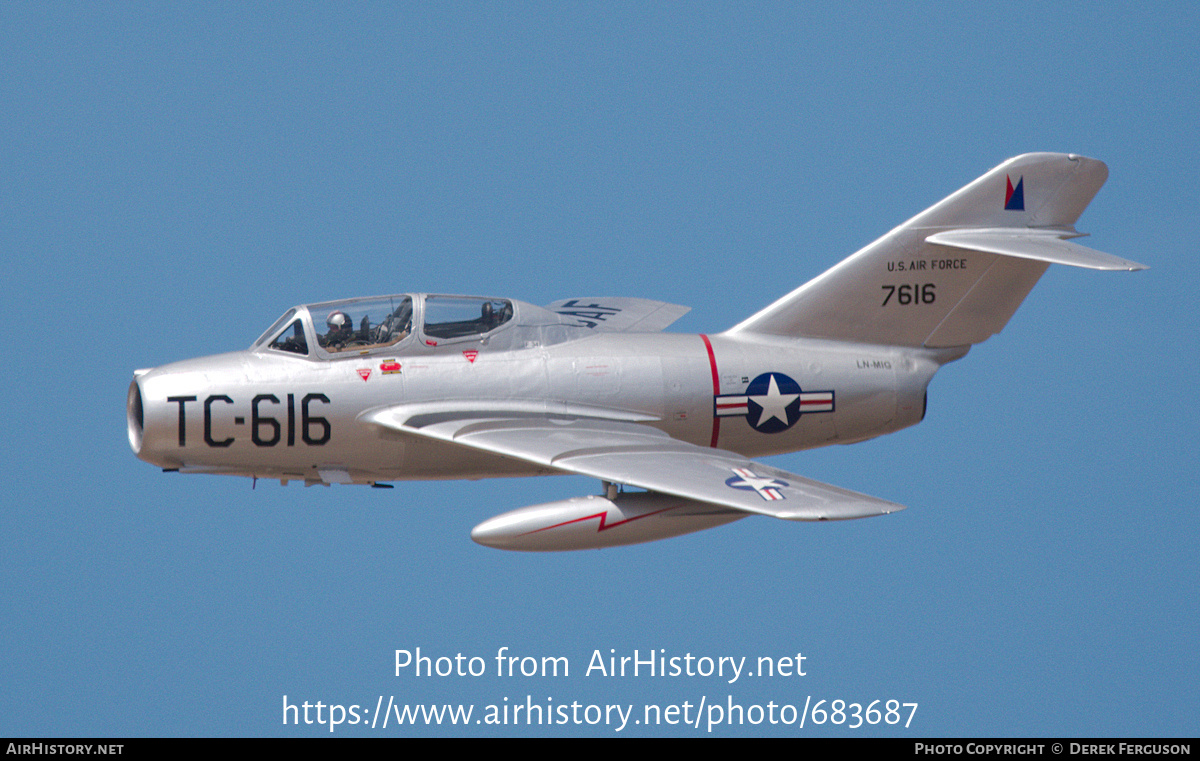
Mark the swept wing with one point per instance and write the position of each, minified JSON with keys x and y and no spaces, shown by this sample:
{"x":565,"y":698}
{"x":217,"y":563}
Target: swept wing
{"x":637,"y":455}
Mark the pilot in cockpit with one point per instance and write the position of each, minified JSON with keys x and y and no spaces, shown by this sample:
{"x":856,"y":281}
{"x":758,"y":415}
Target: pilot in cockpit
{"x":340,"y":330}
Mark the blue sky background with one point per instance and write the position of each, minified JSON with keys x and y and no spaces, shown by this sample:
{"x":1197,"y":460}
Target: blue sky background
{"x":177,"y":175}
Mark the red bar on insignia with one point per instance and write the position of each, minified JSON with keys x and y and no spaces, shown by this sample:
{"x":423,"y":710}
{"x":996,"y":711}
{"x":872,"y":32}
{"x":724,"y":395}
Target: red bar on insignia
{"x":819,"y":401}
{"x":731,"y":405}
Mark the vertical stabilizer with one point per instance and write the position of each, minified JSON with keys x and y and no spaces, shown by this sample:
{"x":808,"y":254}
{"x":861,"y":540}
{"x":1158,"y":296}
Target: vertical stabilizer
{"x":955,"y":273}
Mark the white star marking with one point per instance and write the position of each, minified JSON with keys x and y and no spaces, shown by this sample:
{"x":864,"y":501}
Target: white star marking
{"x":774,"y":404}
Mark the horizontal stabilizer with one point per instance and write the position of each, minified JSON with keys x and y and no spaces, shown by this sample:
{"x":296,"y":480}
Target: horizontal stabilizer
{"x":1043,"y":245}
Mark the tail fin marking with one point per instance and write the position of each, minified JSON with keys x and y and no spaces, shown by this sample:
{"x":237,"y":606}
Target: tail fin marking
{"x":1014,"y":198}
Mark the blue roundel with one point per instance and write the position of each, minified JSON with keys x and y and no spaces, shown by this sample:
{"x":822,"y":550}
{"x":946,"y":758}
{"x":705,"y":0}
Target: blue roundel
{"x":773,"y":403}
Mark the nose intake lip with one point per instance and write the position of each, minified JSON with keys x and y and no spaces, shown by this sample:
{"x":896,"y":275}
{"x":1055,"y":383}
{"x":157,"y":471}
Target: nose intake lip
{"x":133,"y":416}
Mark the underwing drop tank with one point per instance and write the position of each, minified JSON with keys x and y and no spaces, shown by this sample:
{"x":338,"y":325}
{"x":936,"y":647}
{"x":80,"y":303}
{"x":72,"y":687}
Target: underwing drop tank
{"x":592,"y":522}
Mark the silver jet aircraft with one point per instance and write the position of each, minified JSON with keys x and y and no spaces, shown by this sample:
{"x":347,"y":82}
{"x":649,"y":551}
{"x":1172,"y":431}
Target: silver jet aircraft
{"x":426,"y":386}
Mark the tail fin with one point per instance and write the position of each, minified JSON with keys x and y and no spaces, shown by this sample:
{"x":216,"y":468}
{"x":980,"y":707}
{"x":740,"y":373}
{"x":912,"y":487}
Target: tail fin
{"x":955,"y":273}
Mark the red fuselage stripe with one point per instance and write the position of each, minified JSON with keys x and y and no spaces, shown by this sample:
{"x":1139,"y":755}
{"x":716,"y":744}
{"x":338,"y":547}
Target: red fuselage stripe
{"x":712,"y":363}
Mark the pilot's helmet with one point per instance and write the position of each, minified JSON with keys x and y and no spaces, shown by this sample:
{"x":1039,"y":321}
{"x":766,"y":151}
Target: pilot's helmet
{"x":338,"y":322}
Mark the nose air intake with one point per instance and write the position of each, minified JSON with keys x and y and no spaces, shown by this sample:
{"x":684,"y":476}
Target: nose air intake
{"x":133,"y":416}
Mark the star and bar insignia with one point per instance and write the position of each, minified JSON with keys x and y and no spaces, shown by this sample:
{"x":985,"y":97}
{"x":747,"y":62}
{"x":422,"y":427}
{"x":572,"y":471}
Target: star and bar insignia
{"x":773,"y":402}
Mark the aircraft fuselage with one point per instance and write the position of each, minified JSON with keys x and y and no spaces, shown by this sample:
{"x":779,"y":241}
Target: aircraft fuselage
{"x":272,"y":415}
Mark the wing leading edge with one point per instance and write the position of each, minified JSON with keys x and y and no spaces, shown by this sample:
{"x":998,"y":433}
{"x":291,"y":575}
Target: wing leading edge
{"x":640,"y":456}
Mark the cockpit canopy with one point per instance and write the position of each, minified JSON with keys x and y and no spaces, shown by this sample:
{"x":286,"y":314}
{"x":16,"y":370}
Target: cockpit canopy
{"x":360,"y":326}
